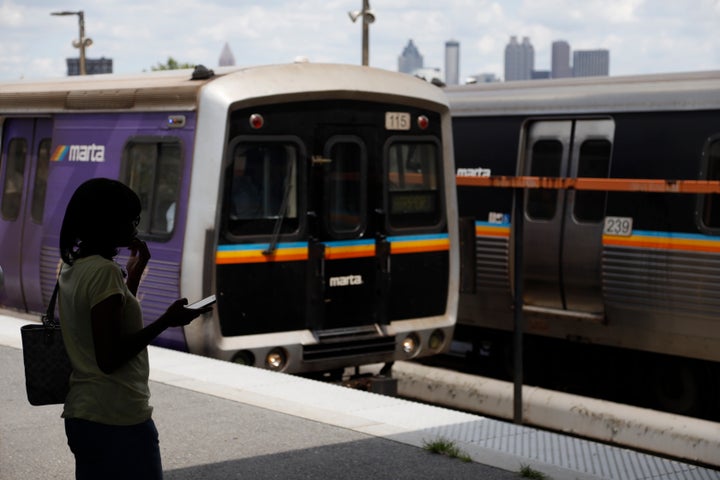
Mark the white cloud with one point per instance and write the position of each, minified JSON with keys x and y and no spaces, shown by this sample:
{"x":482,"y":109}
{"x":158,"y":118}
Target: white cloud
{"x":10,"y":15}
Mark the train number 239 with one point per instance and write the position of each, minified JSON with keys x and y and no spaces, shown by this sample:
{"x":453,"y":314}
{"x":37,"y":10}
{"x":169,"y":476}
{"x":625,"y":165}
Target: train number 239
{"x":618,"y":226}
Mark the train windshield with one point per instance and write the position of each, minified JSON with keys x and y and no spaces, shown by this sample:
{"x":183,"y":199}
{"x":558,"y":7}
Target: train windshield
{"x":412,"y":179}
{"x":262,"y":190}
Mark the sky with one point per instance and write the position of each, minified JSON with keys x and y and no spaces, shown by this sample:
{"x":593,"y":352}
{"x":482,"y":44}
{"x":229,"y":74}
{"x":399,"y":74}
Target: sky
{"x":643,"y":36}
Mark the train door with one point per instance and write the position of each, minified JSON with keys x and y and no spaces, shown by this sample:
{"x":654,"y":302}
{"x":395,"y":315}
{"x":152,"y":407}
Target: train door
{"x":563,"y":229}
{"x":340,"y":202}
{"x":26,"y":146}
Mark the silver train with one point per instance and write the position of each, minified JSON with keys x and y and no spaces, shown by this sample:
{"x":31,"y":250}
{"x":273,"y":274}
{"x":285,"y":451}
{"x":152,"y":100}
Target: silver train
{"x":628,"y":282}
{"x":316,"y":201}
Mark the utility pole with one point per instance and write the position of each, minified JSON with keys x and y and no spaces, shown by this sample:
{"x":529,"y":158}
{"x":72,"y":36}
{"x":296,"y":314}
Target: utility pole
{"x":82,"y":43}
{"x":368,"y":18}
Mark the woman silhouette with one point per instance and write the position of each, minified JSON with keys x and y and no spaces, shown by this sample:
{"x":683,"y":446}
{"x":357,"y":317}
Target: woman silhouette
{"x":108,"y":419}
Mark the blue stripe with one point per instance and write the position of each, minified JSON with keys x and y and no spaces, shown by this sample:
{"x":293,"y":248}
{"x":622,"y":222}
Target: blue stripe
{"x":688,"y":236}
{"x":350,"y":243}
{"x":259,"y":246}
{"x":406,"y":238}
{"x":492,"y":224}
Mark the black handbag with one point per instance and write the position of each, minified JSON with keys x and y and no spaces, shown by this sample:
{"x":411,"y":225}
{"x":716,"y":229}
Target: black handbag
{"x":47,"y":366}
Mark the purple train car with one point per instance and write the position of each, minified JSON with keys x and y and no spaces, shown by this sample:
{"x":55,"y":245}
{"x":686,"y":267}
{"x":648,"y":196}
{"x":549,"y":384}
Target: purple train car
{"x":316,"y":201}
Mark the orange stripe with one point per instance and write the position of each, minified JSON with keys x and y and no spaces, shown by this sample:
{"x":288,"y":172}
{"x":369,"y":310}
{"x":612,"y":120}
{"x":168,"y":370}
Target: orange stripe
{"x":337,"y":253}
{"x":663,"y":243}
{"x":603,"y":184}
{"x":257,"y":256}
{"x":417,"y":247}
{"x":492,"y":231}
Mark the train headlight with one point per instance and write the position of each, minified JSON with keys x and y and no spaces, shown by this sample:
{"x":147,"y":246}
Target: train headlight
{"x":437,"y":339}
{"x":423,"y":122}
{"x":410,"y":344}
{"x":244,"y":357}
{"x":276,"y":359}
{"x":256,"y":121}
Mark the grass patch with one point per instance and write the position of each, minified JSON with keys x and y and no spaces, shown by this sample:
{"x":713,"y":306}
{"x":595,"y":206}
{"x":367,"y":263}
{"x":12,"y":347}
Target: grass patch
{"x":443,"y":446}
{"x":527,"y":472}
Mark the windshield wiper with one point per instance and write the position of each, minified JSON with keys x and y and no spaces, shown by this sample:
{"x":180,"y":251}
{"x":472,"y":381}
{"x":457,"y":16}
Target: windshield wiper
{"x":272,"y":247}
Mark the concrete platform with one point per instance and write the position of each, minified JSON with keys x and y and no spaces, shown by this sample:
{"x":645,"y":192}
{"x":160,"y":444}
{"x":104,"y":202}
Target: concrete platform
{"x":224,"y":421}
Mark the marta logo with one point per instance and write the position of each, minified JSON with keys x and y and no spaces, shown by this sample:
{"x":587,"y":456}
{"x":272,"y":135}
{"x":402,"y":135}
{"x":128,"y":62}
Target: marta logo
{"x":473,"y":172}
{"x":346,"y":281}
{"x":79,"y":153}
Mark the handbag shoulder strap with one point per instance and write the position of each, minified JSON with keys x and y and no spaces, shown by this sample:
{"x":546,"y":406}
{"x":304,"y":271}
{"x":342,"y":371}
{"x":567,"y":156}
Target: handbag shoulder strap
{"x":49,"y":317}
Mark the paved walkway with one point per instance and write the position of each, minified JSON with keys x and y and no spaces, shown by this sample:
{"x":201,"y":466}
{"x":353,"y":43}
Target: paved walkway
{"x":218,"y":420}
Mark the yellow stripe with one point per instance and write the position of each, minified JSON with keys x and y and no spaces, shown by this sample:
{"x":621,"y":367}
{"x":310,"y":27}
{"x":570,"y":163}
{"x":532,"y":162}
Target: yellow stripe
{"x":414,"y":246}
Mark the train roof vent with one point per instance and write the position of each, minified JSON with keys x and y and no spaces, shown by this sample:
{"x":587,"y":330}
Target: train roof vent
{"x":201,"y":72}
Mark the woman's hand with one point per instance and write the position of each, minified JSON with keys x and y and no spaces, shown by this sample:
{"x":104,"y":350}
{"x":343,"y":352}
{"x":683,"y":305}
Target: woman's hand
{"x":178,"y":316}
{"x":139,"y":257}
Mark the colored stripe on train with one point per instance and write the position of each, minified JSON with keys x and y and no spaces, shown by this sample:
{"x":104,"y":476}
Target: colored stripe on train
{"x":419,"y":243}
{"x":253,"y":253}
{"x":487,"y":229}
{"x":336,"y":250}
{"x":349,"y":249}
{"x":60,"y":153}
{"x":690,"y":242}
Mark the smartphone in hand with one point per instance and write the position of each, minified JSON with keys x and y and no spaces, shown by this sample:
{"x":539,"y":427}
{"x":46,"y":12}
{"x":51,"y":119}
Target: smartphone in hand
{"x":205,"y":302}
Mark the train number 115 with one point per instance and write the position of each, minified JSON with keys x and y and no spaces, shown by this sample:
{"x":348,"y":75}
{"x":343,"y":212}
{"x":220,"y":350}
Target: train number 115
{"x":397,"y":121}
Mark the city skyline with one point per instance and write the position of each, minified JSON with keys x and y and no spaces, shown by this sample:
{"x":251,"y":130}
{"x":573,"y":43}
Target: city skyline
{"x":519,"y":63}
{"x":644,"y":36}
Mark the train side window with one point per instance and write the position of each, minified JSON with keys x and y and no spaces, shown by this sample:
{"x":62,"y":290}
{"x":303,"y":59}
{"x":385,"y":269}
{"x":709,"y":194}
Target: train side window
{"x":14,"y":178}
{"x":546,"y":162}
{"x":41,"y":176}
{"x":262,"y":188}
{"x":594,"y":162}
{"x":345,"y":184}
{"x":711,"y":202}
{"x":413,"y":184}
{"x":153,"y":170}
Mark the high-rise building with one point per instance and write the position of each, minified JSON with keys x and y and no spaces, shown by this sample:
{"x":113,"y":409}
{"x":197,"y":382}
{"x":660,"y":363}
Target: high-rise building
{"x":540,"y":74}
{"x":561,"y":60}
{"x":410,"y":59}
{"x":93,"y":66}
{"x":452,"y":62}
{"x":591,"y":63}
{"x":519,"y":59}
{"x":227,"y":59}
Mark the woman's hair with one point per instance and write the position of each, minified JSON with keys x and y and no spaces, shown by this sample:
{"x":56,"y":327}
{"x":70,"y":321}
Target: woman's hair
{"x":96,"y":218}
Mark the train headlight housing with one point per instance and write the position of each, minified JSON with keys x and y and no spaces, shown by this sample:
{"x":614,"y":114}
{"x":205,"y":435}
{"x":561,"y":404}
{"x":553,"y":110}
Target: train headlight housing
{"x":244,"y":357}
{"x":276,"y":359}
{"x":437,"y":339}
{"x":410,"y":344}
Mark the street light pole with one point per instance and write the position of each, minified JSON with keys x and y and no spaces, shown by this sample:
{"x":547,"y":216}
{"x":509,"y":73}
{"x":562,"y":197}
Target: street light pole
{"x":82,"y":42}
{"x":368,"y":18}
